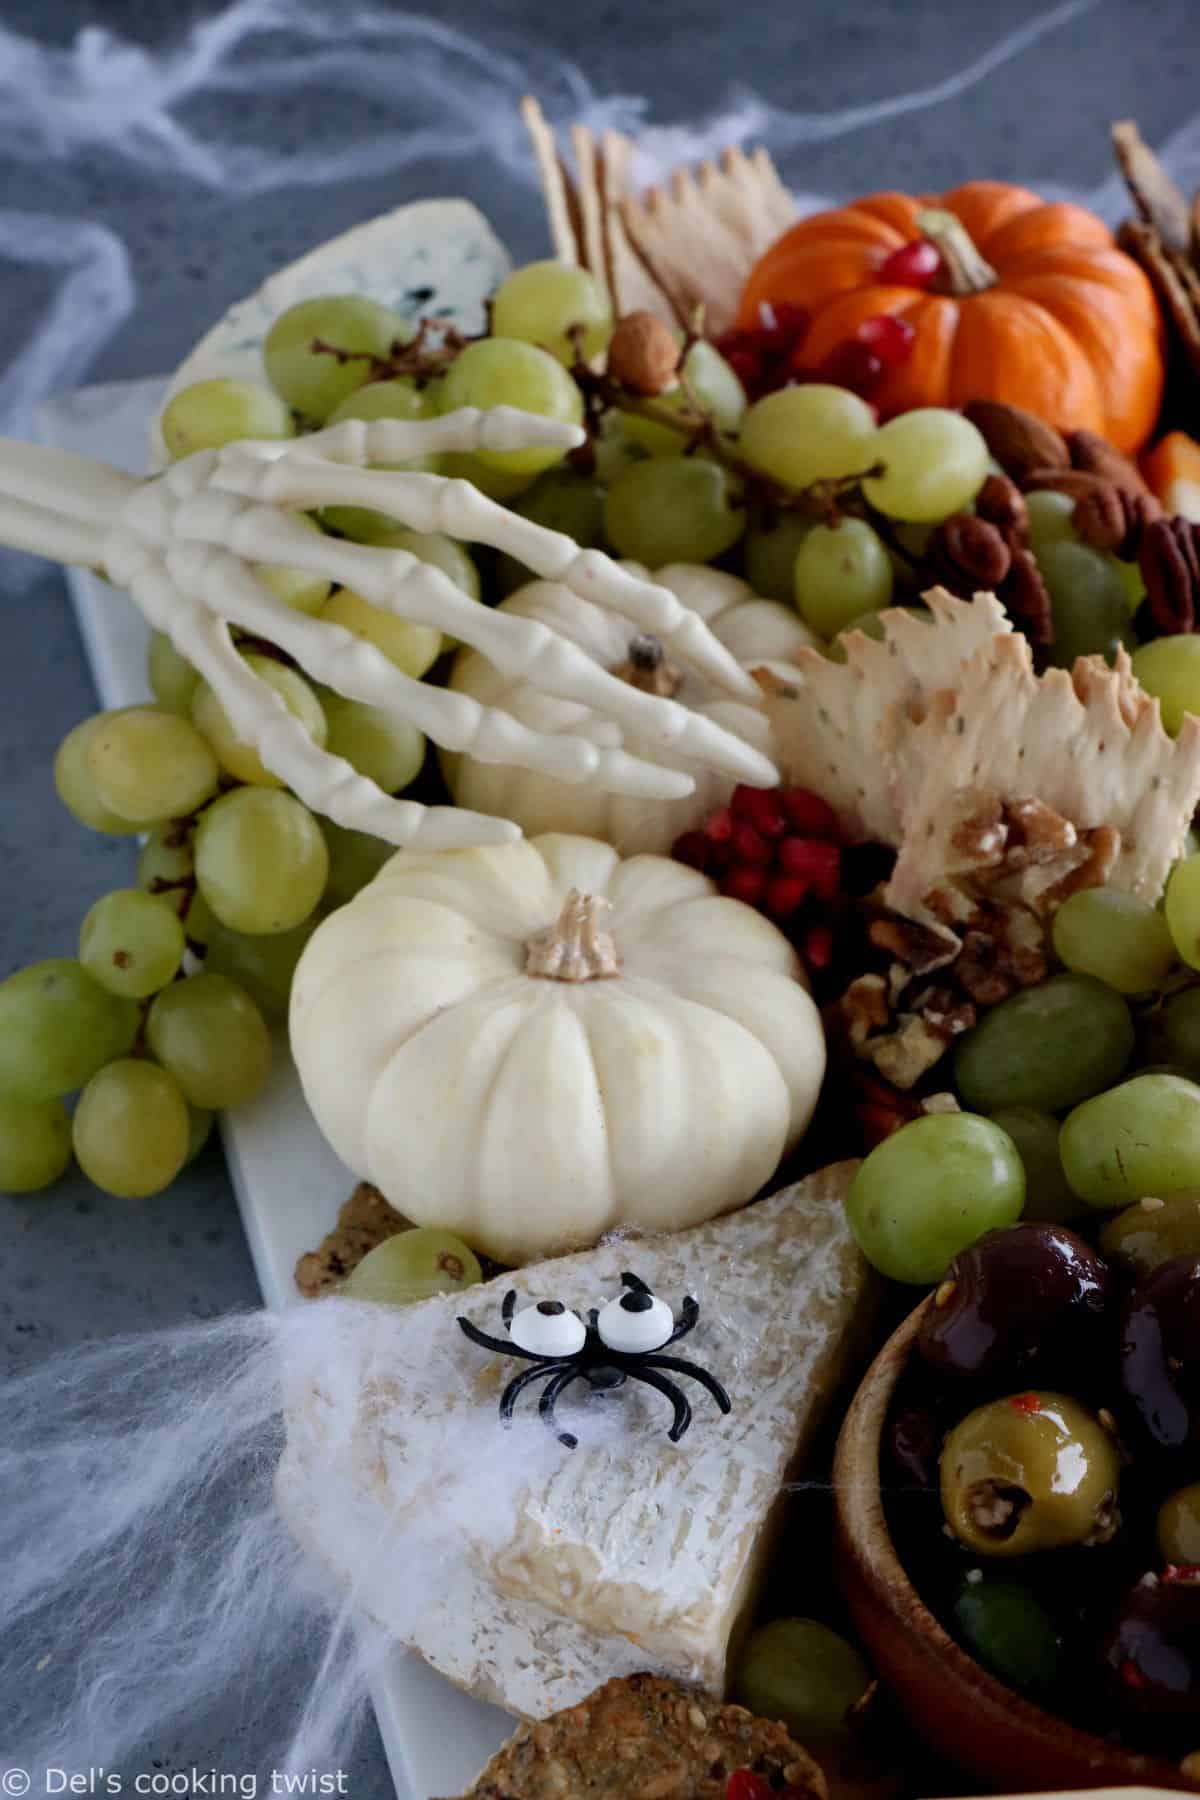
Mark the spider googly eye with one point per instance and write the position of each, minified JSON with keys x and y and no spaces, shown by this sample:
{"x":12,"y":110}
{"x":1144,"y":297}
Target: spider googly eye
{"x":547,"y":1328}
{"x":635,"y":1322}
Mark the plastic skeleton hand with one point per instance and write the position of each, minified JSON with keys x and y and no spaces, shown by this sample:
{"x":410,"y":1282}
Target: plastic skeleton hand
{"x":185,"y":544}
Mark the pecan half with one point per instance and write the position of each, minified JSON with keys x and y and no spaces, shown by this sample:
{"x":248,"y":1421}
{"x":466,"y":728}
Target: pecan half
{"x":1018,"y":440}
{"x":1027,"y":597}
{"x":967,"y":553}
{"x":1095,"y":455}
{"x":1001,"y":502}
{"x":1170,"y":564}
{"x":1113,"y":518}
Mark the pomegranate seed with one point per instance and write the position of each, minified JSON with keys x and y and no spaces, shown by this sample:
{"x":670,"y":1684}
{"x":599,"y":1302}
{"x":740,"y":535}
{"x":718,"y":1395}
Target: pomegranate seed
{"x":744,"y":884}
{"x":784,"y":894}
{"x":744,"y":1784}
{"x":1025,"y":1403}
{"x":788,"y":326}
{"x":748,"y":847}
{"x":891,"y":339}
{"x":813,"y":861}
{"x":811,"y":816}
{"x":694,"y":849}
{"x":719,"y":825}
{"x":853,"y":365}
{"x":817,"y":948}
{"x":1183,"y":1573}
{"x":760,"y":807}
{"x":747,"y":365}
{"x":913,"y":265}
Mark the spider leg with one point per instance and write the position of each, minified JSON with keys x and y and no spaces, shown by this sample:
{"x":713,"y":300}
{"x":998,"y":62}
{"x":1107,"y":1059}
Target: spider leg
{"x":689,"y":1312}
{"x":635,"y":1282}
{"x":501,"y":1346}
{"x":508,"y":1306}
{"x":298,"y":478}
{"x":679,"y":1367}
{"x":683,"y":1412}
{"x":519,"y":1383}
{"x":594,"y":1317}
{"x":567,"y":1374}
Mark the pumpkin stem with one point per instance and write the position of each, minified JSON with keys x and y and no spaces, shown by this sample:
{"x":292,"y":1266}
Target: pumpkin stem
{"x":575,"y":947}
{"x":964,"y":270}
{"x":646,"y":667}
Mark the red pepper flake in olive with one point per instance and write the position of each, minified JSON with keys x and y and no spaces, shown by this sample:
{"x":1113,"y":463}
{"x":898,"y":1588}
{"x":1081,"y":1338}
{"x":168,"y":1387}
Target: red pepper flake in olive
{"x":1152,"y":1651}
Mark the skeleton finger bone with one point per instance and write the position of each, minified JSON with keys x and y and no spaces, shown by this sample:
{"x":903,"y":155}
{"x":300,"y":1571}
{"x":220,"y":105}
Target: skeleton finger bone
{"x":361,"y":442}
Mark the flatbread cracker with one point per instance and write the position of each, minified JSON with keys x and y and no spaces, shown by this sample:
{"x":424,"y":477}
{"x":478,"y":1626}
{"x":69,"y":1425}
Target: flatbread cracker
{"x":631,"y":284}
{"x":554,"y":182}
{"x":587,"y":191}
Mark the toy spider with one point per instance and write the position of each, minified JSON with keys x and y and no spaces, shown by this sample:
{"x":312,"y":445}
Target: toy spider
{"x":620,"y":1340}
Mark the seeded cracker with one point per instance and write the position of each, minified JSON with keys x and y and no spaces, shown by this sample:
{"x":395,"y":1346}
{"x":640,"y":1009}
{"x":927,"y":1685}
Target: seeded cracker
{"x":363,"y":1223}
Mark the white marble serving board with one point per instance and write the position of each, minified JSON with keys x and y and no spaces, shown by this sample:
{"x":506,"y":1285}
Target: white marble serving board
{"x":287,"y":1180}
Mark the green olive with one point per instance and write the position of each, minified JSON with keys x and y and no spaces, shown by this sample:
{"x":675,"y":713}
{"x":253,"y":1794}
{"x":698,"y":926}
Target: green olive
{"x":1179,"y":1526}
{"x":1010,"y":1631}
{"x":1031,"y":1472}
{"x":1153,"y":1231}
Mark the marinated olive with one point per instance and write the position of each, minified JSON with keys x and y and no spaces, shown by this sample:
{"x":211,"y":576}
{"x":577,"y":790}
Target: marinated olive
{"x":914,"y":1442}
{"x":1160,"y":1353}
{"x":1179,"y":1527}
{"x":1014,"y":1300}
{"x":800,"y":1671}
{"x":1006,"y":1628}
{"x":1030,"y":1472}
{"x":1153,"y":1231}
{"x":1152,"y":1653}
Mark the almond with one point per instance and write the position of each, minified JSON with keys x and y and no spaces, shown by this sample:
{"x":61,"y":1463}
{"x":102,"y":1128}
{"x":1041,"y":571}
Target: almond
{"x":643,"y":354}
{"x":1018,"y":440}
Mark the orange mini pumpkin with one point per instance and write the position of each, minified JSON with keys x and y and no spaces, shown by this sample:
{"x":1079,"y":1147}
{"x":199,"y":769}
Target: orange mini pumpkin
{"x":1033,"y":304}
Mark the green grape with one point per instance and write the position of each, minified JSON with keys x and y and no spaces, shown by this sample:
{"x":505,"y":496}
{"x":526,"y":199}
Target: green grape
{"x":1008,"y":1630}
{"x":1178,"y":1022}
{"x":1115,"y":936}
{"x":1169,"y":669}
{"x":1048,"y":1194}
{"x":769,"y":554}
{"x":1131,"y":581}
{"x":172,"y":678}
{"x":1048,"y":1046}
{"x":414,"y":1265}
{"x":842,"y":571}
{"x":261,"y":862}
{"x":1140,"y":1138}
{"x":212,"y":1038}
{"x":298,"y":588}
{"x":75,"y":786}
{"x":801,"y":1672}
{"x":57,"y":1027}
{"x":561,"y":500}
{"x":387,"y":750}
{"x":131,"y":1129}
{"x":238,"y":758}
{"x":131,"y":943}
{"x":914,"y":539}
{"x":613,"y":449}
{"x":200,"y":1124}
{"x":540,"y":304}
{"x":1182,"y":909}
{"x":709,"y":384}
{"x":210,"y":414}
{"x":264,"y":966}
{"x":440,"y":552}
{"x":397,"y":399}
{"x":412,"y":648}
{"x":167,"y":869}
{"x":148,"y":765}
{"x":811,"y":433}
{"x":1089,"y":602}
{"x":935,"y":462}
{"x":314,"y":382}
{"x":355,"y":858}
{"x":35,"y":1144}
{"x":1051,"y":519}
{"x":500,"y":371}
{"x":674,"y":509}
{"x":932,"y":1189}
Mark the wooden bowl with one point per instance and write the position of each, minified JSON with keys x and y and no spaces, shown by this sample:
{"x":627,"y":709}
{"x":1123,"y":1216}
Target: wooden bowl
{"x":955,"y":1705}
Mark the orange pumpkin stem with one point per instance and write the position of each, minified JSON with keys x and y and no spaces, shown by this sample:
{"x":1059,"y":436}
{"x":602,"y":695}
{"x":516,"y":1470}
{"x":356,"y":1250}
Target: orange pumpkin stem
{"x":964,"y":270}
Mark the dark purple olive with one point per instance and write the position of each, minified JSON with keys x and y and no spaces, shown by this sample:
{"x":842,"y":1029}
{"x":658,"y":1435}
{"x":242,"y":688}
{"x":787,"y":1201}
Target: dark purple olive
{"x":914,"y":1441}
{"x":1160,"y":1354}
{"x":1014,"y":1302}
{"x":1151,"y":1655}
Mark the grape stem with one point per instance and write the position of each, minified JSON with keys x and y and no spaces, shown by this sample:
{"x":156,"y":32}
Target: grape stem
{"x":418,"y":359}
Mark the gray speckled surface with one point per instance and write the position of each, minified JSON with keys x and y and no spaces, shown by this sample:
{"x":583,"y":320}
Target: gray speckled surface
{"x":73,"y":1264}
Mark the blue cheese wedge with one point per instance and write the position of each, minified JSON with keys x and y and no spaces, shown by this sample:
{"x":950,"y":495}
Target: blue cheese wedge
{"x":435,"y":259}
{"x":565,"y":1568}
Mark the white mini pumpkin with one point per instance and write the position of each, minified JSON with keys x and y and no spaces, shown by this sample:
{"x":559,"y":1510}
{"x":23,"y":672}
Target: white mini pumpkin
{"x":535,"y":1044}
{"x":756,"y":631}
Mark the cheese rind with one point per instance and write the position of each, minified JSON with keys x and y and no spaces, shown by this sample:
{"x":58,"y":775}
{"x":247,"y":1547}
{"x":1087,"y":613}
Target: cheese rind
{"x":629,"y":1552}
